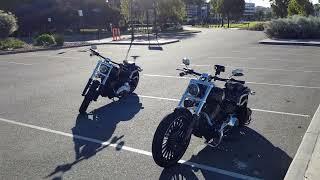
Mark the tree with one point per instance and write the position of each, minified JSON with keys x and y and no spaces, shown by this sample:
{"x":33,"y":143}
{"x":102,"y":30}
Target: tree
{"x":231,"y":9}
{"x":259,"y":15}
{"x":8,"y":24}
{"x":33,"y":14}
{"x":300,"y":7}
{"x":195,"y":2}
{"x":10,"y":5}
{"x":279,"y":7}
{"x":138,"y":11}
{"x":172,"y":11}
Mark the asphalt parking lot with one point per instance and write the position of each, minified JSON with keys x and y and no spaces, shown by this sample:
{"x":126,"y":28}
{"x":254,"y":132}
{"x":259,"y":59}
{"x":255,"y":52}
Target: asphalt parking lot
{"x":42,"y":135}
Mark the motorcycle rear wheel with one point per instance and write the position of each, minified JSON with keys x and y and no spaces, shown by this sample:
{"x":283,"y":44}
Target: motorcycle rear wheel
{"x":169,"y":141}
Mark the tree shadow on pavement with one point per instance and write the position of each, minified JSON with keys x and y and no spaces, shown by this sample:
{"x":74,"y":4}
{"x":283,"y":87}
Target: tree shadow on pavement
{"x":179,"y":36}
{"x":93,"y":130}
{"x":244,"y":151}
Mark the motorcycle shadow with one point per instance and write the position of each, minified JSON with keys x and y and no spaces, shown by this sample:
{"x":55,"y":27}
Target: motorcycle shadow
{"x":99,"y":126}
{"x":243,"y":151}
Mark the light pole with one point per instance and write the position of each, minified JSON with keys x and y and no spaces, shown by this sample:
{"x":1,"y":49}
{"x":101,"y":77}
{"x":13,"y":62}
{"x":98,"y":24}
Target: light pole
{"x":131,"y":20}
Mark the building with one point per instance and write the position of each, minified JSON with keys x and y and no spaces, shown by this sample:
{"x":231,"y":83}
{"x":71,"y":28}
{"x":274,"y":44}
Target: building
{"x":192,"y":12}
{"x":197,"y":13}
{"x":249,"y":9}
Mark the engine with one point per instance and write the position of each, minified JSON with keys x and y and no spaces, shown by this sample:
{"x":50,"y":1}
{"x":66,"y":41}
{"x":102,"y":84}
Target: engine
{"x":222,"y":105}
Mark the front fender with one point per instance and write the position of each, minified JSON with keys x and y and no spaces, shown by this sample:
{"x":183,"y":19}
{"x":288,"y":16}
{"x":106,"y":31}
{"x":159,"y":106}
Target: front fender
{"x":190,"y":117}
{"x":185,"y":111}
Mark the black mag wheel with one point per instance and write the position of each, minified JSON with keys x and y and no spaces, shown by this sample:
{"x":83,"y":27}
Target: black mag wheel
{"x":170,"y":141}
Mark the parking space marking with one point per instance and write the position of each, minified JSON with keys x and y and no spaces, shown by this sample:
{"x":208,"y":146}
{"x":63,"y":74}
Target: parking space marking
{"x":248,"y":82}
{"x":130,"y":149}
{"x":12,"y":62}
{"x":54,"y":56}
{"x":283,"y":113}
{"x":250,"y":58}
{"x":259,"y":110}
{"x":265,"y":69}
{"x":159,"y":98}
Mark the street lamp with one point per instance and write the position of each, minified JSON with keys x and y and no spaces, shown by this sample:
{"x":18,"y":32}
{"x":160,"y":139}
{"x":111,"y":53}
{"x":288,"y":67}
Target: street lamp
{"x":131,"y":20}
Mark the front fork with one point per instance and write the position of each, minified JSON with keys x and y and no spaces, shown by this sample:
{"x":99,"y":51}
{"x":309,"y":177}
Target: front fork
{"x":92,"y":84}
{"x":84,"y":92}
{"x":195,"y":118}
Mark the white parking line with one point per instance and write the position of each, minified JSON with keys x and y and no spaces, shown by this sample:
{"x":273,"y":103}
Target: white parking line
{"x":259,"y":110}
{"x":252,"y":58}
{"x":130,"y":149}
{"x":265,"y":69}
{"x":11,"y":62}
{"x":268,"y":84}
{"x":159,"y":98}
{"x":55,"y":56}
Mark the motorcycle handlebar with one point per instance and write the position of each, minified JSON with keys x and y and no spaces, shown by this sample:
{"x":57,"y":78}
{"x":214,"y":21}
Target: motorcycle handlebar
{"x":94,"y":52}
{"x":186,"y":71}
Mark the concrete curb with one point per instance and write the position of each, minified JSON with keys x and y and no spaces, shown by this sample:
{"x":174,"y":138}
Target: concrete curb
{"x":290,"y":42}
{"x":142,"y":43}
{"x":303,"y":164}
{"x":83,"y":45}
{"x":191,"y":32}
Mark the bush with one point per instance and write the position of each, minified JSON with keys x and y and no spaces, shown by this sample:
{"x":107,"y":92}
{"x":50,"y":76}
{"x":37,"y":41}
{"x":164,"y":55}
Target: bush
{"x":45,"y":40}
{"x":59,"y":39}
{"x":295,"y":27}
{"x":257,"y":27}
{"x":11,"y":43}
{"x":8,"y":24}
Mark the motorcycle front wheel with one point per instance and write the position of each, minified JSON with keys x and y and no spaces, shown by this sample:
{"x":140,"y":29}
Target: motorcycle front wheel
{"x":170,"y":141}
{"x":134,"y":82}
{"x":88,"y":97}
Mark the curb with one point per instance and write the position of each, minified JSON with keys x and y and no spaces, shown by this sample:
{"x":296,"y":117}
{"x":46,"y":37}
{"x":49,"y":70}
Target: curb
{"x":83,"y":45}
{"x":139,"y":43}
{"x":275,"y":42}
{"x":191,"y":32}
{"x":301,"y":162}
{"x":44,"y":49}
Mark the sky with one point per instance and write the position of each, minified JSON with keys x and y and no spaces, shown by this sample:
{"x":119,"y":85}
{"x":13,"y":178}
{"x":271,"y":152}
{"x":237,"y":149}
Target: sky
{"x":266,"y":3}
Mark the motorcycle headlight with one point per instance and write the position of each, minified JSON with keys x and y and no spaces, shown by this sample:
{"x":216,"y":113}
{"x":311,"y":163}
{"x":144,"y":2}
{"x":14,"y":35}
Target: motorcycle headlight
{"x":103,"y":69}
{"x":193,"y":89}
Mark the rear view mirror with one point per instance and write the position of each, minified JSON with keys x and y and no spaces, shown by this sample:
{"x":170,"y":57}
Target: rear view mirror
{"x":237,"y":72}
{"x":94,"y":47}
{"x":186,"y":61}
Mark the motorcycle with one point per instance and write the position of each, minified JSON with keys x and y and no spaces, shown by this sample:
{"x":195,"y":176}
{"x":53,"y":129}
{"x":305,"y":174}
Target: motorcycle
{"x":110,"y":79}
{"x":205,"y":110}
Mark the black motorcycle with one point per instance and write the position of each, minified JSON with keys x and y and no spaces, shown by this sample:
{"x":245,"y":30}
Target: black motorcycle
{"x":110,"y":79}
{"x":204,"y":110}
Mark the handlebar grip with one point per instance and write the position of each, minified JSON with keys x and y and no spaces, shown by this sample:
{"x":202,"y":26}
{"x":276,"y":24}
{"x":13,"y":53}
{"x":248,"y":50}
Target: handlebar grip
{"x":182,"y":74}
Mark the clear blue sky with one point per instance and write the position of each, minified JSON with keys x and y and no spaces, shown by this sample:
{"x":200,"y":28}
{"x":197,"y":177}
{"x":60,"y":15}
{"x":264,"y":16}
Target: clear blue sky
{"x":266,"y":3}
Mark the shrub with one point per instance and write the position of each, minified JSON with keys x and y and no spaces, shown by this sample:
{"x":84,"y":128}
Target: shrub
{"x":11,"y":43}
{"x":257,"y":27}
{"x":295,"y":27}
{"x":59,"y":39}
{"x":8,"y":24}
{"x":45,"y":40}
